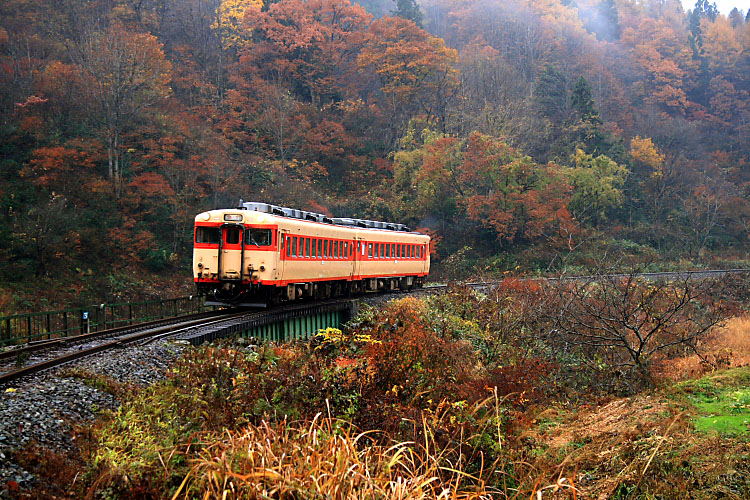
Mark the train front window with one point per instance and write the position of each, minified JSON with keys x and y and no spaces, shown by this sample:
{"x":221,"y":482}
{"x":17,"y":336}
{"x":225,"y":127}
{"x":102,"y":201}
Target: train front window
{"x":209,"y":235}
{"x":232,"y":235}
{"x":258,"y":237}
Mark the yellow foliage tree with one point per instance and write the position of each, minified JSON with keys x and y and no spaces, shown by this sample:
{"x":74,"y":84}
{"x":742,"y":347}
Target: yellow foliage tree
{"x":644,"y":152}
{"x":229,"y":17}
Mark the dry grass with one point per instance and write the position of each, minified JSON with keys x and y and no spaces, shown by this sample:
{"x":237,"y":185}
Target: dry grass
{"x":617,"y":443}
{"x":727,"y":346}
{"x":325,"y":458}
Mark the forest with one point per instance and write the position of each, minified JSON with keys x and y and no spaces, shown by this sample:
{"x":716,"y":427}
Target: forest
{"x":530,"y":136}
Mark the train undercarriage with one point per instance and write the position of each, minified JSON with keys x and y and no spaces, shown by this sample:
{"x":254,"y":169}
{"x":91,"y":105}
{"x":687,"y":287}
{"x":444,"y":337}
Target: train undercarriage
{"x":236,"y":294}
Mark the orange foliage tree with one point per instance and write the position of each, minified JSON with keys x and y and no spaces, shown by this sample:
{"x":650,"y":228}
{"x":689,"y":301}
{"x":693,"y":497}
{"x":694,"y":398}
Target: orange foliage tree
{"x":416,"y":70}
{"x":129,"y":75}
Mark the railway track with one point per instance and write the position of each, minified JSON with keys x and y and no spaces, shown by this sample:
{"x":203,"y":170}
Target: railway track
{"x":49,"y":354}
{"x":193,"y":329}
{"x":41,"y":356}
{"x":29,"y":348}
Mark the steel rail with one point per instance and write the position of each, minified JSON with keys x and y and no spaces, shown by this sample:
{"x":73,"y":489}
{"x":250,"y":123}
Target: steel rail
{"x":228,"y":322}
{"x":119,"y":342}
{"x":63,"y":341}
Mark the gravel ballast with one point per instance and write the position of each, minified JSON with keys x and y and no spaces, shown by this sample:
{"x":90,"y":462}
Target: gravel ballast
{"x":44,"y":409}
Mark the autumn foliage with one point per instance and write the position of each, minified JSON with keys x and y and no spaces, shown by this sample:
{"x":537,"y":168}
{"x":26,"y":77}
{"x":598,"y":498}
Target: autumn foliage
{"x":519,"y":132}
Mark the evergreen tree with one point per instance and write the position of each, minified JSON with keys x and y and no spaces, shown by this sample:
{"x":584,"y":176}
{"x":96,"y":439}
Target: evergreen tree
{"x":610,"y":19}
{"x":408,"y":9}
{"x":735,"y":16}
{"x":552,"y":95}
{"x":583,"y":102}
{"x":585,"y":131}
{"x":709,"y":11}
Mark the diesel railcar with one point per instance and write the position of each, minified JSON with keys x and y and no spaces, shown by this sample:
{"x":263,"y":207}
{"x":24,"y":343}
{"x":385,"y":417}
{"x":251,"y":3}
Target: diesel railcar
{"x":258,"y":254}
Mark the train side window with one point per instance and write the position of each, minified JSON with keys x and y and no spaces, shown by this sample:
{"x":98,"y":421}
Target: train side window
{"x":419,"y":252}
{"x":387,"y":250}
{"x":307,"y":247}
{"x":369,"y":250}
{"x":320,"y":248}
{"x":346,"y":250}
{"x":209,"y":235}
{"x":314,"y":249}
{"x":288,"y":245}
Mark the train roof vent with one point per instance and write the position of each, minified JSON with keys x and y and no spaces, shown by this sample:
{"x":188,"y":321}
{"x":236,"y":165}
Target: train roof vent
{"x":344,"y":221}
{"x":258,"y":207}
{"x":313,"y":216}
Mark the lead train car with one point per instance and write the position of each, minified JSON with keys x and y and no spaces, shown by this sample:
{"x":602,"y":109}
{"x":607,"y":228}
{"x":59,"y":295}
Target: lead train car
{"x":260,"y":253}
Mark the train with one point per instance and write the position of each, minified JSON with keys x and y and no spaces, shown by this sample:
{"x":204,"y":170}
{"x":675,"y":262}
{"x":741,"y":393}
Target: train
{"x":260,"y":254}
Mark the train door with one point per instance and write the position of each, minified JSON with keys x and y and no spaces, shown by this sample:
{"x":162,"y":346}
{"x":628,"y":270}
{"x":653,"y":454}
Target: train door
{"x":231,"y":252}
{"x":359,"y":247}
{"x":283,"y":252}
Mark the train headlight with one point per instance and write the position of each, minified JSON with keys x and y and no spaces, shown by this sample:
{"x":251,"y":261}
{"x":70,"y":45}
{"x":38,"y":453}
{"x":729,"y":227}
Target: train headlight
{"x":204,"y":216}
{"x":233,"y":217}
{"x":261,"y":218}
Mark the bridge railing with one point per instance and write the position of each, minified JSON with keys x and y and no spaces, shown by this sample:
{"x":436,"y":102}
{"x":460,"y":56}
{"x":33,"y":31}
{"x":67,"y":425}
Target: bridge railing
{"x":53,"y":324}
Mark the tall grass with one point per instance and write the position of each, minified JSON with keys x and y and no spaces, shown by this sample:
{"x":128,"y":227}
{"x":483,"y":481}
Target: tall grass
{"x":326,"y":458}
